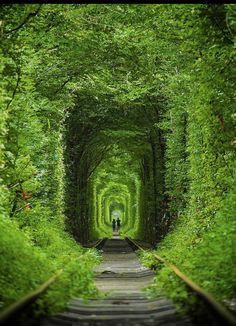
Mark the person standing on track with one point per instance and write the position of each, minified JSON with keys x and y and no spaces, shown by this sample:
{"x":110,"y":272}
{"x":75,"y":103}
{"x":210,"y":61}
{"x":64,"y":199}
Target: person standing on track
{"x":114,"y":225}
{"x":118,"y":224}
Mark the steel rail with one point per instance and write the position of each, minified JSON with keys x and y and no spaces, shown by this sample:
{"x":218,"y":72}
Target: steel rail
{"x":27,"y":299}
{"x":31,"y":297}
{"x":96,"y":244}
{"x":223,"y":312}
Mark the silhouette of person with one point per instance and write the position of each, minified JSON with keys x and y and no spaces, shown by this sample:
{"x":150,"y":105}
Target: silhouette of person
{"x":118,"y":224}
{"x":114,"y":224}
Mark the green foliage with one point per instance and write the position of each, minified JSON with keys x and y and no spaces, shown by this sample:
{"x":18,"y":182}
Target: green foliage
{"x":200,"y":162}
{"x":128,"y":106}
{"x":34,"y":243}
{"x":20,"y":263}
{"x":201,"y":259}
{"x":34,"y":255}
{"x":75,"y":281}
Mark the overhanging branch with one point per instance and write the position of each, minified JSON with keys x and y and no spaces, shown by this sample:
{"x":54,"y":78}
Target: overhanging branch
{"x":27,"y":18}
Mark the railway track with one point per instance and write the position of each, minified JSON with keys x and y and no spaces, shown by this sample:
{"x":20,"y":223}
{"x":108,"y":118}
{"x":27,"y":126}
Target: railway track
{"x":122,"y":279}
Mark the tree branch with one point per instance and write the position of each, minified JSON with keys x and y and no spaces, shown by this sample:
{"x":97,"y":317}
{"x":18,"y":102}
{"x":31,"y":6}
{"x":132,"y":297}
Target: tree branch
{"x":61,"y":87}
{"x":31,"y":14}
{"x":15,"y":89}
{"x":99,"y":161}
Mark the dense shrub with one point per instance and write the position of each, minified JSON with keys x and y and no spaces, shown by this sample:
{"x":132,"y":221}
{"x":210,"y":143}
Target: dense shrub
{"x":26,"y":264}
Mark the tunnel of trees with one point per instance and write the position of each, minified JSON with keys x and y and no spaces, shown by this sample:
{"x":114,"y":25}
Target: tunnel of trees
{"x":116,"y":110}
